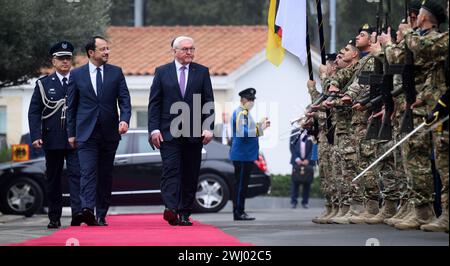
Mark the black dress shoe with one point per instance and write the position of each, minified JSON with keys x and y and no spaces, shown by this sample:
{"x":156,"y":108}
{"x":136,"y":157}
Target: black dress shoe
{"x":77,"y":219}
{"x":102,"y":221}
{"x":171,"y":216}
{"x":243,"y":217}
{"x":184,"y":221}
{"x":54,"y":224}
{"x":89,"y":217}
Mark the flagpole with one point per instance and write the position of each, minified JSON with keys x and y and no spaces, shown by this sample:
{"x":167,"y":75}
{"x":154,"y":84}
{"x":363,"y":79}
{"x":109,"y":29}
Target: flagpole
{"x":308,"y":50}
{"x":321,"y":35}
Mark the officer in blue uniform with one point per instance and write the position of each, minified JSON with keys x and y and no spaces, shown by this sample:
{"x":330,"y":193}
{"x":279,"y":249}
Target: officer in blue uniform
{"x":244,"y":150}
{"x":46,"y":117}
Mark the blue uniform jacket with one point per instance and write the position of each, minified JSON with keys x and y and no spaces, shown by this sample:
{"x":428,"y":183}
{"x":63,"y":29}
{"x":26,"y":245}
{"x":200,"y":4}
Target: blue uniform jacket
{"x":244,"y":144}
{"x":53,"y":135}
{"x":85,"y":107}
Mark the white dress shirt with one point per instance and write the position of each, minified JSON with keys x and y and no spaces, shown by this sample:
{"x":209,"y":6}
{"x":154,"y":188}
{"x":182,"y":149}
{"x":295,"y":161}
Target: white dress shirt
{"x":60,"y":77}
{"x":93,"y":74}
{"x":178,"y":66}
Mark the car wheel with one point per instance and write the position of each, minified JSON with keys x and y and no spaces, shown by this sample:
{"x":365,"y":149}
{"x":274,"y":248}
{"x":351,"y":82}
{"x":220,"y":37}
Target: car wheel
{"x":22,"y":196}
{"x":212,"y":193}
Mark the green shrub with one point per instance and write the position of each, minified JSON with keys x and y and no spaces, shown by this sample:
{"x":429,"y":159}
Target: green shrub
{"x":281,"y":186}
{"x":5,"y":155}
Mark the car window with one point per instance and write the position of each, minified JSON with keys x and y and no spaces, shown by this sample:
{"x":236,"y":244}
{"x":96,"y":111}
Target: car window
{"x":123,"y":144}
{"x":142,"y":145}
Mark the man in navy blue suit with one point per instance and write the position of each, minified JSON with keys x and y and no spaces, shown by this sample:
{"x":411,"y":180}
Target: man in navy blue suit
{"x":94,"y":126}
{"x":186,"y":86}
{"x":46,"y":118}
{"x":301,"y":148}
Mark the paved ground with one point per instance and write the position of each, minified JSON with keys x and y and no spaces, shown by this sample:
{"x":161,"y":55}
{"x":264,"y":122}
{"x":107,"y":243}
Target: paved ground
{"x":276,"y":225}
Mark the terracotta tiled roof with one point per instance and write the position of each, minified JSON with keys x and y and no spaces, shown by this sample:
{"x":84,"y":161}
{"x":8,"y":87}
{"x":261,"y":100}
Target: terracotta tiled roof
{"x":221,"y":48}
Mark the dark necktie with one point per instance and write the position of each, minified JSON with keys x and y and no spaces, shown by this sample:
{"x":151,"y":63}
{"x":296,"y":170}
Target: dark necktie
{"x":64,"y":85}
{"x":99,"y":82}
{"x":183,"y":80}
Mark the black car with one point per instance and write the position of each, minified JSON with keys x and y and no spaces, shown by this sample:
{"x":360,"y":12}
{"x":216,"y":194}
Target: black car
{"x":136,"y":178}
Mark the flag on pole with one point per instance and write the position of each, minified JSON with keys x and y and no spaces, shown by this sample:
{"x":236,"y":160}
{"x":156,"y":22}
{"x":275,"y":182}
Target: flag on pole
{"x":274,"y":50}
{"x":292,"y":18}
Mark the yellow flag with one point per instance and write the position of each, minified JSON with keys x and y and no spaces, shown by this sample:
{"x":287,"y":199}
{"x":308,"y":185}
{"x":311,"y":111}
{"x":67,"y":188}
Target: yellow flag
{"x":274,"y":51}
{"x":20,"y":152}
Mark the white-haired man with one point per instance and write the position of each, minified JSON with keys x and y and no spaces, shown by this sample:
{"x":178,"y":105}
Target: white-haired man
{"x":180,"y":86}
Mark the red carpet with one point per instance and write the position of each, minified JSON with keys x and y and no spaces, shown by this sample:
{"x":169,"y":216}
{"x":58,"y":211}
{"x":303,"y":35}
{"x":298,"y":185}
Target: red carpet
{"x":138,"y":230}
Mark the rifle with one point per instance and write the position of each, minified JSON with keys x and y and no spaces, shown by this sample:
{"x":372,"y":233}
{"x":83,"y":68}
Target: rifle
{"x":374,"y":80}
{"x":330,"y":128}
{"x":385,"y":132}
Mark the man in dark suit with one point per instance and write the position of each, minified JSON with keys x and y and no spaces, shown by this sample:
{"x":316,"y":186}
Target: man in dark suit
{"x":180,"y":86}
{"x":94,"y":125}
{"x":46,"y":118}
{"x":301,"y":148}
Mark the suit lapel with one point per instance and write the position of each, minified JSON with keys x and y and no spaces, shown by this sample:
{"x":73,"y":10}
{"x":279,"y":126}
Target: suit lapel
{"x":173,"y":75}
{"x":87,"y":79}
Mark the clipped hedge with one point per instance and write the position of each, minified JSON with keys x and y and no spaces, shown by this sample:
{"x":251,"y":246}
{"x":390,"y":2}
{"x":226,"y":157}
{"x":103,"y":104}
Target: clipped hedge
{"x":281,"y":186}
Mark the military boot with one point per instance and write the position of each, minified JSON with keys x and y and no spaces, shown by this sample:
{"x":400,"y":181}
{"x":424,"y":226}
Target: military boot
{"x":355,"y":209}
{"x":439,"y":224}
{"x":343,"y":209}
{"x":402,"y":211}
{"x":408,"y":210}
{"x":334,"y":212}
{"x":326,"y":212}
{"x":422,"y":215}
{"x":372,"y":209}
{"x":389,"y":209}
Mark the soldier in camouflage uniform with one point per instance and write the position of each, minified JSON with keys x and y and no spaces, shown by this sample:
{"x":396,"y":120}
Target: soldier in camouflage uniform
{"x":362,"y":150}
{"x":398,"y":187}
{"x":345,"y":156}
{"x":440,"y":48}
{"x":393,"y":177}
{"x":346,"y":60}
{"x":328,"y":185}
{"x":430,"y":85}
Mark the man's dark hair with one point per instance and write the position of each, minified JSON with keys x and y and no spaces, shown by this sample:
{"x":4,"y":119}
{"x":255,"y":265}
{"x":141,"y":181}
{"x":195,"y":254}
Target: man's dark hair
{"x":90,"y":46}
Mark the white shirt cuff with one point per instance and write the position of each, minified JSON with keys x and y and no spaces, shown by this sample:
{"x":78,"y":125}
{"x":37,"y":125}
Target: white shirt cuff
{"x":155,"y":131}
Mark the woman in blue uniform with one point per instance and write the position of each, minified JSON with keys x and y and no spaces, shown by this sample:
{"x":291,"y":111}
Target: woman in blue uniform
{"x":244,"y":150}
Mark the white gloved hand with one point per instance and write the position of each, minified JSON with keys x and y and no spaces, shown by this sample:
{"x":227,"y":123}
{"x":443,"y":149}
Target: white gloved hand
{"x":264,"y":123}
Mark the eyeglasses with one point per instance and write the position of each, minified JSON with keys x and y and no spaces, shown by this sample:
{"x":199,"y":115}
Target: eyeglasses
{"x":185,"y":50}
{"x":104,"y":49}
{"x":63,"y":58}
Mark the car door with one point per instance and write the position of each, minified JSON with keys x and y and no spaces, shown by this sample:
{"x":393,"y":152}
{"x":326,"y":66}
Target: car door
{"x":145,"y":174}
{"x":123,"y":188}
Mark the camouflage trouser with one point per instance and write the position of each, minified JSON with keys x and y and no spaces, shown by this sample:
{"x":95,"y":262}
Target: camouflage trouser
{"x":370,"y":180}
{"x":325,"y":171}
{"x":393,"y":180}
{"x":345,"y":163}
{"x":400,"y":173}
{"x":417,"y":153}
{"x":442,"y":161}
